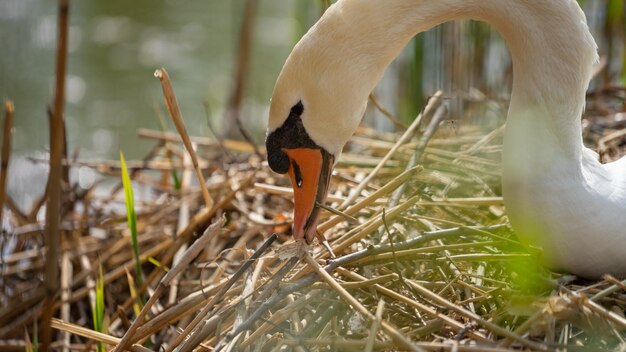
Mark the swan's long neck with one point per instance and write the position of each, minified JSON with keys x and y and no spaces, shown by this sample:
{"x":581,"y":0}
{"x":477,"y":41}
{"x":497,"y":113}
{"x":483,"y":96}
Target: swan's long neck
{"x":557,"y":194}
{"x":551,"y":48}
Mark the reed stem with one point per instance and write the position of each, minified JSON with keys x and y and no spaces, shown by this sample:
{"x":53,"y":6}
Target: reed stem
{"x":51,"y":280}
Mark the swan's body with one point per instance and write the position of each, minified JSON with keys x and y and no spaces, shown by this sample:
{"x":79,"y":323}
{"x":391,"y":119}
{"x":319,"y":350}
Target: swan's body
{"x":558,"y":196}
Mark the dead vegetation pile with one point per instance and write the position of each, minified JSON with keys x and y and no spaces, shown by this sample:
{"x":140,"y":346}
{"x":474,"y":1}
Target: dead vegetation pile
{"x":418,"y":255}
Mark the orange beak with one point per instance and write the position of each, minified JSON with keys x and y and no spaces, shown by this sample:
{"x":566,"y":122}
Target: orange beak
{"x":309,"y":171}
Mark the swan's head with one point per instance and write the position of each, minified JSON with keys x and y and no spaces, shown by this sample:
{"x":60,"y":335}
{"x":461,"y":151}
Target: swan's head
{"x":291,"y":150}
{"x":316,"y":106}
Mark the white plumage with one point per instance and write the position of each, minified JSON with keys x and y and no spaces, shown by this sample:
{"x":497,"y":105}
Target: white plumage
{"x":558,"y":196}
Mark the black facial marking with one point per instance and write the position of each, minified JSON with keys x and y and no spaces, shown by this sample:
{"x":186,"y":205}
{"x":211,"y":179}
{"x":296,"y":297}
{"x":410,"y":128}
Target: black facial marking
{"x":297,"y":109}
{"x":290,"y":135}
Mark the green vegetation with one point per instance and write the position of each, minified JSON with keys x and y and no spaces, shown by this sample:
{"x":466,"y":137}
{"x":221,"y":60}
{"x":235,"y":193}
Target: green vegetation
{"x":98,"y":309}
{"x":132,"y":219}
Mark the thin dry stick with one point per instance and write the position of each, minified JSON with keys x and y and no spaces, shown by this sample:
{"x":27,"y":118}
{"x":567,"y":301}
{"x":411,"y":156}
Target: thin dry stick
{"x":432,"y":104}
{"x":51,"y":281}
{"x":6,"y":150}
{"x":607,"y":291}
{"x":287,"y":191}
{"x":603,"y":146}
{"x":339,"y":213}
{"x":91,"y":334}
{"x":189,"y":255}
{"x":172,"y":108}
{"x":66,"y":278}
{"x":371,"y":340}
{"x":112,"y":166}
{"x":387,"y":327}
{"x":21,"y":218}
{"x":119,"y":272}
{"x":614,"y":318}
{"x":230,"y":144}
{"x":386,"y":112}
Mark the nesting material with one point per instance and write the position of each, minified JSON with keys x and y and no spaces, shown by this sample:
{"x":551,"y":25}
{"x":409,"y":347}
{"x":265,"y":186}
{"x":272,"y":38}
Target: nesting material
{"x":432,"y":267}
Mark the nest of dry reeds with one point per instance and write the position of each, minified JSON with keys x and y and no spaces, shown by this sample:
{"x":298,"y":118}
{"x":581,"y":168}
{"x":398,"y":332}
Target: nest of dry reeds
{"x":415,"y":253}
{"x":415,"y":250}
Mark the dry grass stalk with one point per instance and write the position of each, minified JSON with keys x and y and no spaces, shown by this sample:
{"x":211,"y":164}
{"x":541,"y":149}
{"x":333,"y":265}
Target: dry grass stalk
{"x":53,"y":205}
{"x":66,"y":274}
{"x":384,"y":111}
{"x":229,"y":144}
{"x":371,"y":340}
{"x":174,"y":111}
{"x":90,"y":334}
{"x":9,"y":109}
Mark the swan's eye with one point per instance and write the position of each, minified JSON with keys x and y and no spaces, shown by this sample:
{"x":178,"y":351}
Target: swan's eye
{"x":297,"y":174}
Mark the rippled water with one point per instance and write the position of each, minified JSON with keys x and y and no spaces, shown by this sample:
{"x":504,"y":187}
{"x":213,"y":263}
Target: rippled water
{"x":115,"y":46}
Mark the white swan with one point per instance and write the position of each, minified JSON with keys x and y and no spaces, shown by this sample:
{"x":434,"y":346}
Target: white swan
{"x":558,"y":196}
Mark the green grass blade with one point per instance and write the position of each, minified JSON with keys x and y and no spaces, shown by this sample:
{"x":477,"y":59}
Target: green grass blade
{"x":35,"y":342}
{"x":158,"y":264}
{"x":132,"y":218}
{"x":98,"y":310}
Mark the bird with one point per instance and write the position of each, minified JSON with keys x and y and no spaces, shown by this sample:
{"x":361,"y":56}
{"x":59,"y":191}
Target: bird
{"x":558,"y":196}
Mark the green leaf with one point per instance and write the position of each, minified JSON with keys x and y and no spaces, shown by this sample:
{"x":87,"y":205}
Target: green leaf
{"x":98,"y":310}
{"x":132,"y":218}
{"x":157,"y":263}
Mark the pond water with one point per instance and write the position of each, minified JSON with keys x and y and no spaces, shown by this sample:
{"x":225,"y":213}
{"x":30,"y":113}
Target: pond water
{"x":114,"y":48}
